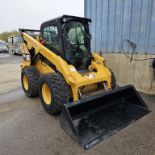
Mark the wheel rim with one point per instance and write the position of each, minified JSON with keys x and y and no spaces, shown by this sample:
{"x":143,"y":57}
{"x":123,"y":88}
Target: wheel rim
{"x":46,"y":93}
{"x":25,"y":82}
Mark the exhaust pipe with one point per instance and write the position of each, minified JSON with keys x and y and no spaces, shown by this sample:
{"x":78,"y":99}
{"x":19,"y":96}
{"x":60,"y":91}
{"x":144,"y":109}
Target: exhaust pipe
{"x":95,"y":118}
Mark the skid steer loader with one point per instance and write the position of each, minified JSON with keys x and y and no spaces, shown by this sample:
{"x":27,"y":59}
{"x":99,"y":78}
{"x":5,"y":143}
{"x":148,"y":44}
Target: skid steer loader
{"x":59,"y":67}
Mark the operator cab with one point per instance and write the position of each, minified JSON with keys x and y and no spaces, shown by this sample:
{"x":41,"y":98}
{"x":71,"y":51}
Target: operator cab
{"x":69,"y":37}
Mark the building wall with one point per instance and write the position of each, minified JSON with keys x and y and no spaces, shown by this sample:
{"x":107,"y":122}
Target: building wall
{"x":138,"y":73}
{"x":116,"y":20}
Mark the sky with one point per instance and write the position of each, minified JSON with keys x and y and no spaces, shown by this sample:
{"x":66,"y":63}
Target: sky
{"x":15,"y":14}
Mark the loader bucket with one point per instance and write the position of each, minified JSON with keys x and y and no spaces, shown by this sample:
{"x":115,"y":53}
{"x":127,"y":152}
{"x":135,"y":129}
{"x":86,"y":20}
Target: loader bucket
{"x":97,"y":117}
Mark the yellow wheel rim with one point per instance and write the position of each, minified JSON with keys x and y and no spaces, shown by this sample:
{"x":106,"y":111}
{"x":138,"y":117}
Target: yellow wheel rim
{"x":46,"y":94}
{"x":25,"y":82}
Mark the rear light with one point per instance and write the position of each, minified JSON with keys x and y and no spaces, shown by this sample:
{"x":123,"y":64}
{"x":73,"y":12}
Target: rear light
{"x":43,"y":42}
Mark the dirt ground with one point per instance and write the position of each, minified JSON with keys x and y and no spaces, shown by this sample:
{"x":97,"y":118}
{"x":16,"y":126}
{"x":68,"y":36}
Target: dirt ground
{"x":25,"y":128}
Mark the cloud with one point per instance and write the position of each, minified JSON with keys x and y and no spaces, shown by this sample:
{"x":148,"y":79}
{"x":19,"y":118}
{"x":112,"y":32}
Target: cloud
{"x":16,"y":14}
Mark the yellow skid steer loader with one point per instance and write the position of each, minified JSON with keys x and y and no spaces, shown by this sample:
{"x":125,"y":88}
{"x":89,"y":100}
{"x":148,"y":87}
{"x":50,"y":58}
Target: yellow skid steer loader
{"x":59,"y":67}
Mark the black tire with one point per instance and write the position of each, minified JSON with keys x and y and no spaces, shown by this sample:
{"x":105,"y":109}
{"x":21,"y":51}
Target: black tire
{"x":113,"y":80}
{"x":59,"y":91}
{"x":32,"y":75}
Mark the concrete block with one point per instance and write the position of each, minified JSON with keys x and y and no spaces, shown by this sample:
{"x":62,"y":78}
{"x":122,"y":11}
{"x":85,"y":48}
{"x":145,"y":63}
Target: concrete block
{"x":138,"y":73}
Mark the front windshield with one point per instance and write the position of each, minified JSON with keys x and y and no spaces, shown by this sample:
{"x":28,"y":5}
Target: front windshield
{"x":77,"y":44}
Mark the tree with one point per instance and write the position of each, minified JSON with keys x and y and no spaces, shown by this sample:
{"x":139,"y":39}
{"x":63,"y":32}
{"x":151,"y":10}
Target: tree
{"x":4,"y":36}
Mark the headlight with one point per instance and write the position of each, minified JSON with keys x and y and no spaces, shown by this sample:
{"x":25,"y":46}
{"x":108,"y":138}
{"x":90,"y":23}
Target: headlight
{"x":27,"y":57}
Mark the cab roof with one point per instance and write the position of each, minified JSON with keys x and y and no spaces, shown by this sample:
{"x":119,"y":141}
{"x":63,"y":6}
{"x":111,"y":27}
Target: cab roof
{"x":65,"y":18}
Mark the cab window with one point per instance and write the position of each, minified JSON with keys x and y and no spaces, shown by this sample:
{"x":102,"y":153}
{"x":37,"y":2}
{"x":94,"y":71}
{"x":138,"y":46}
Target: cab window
{"x":50,"y":35}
